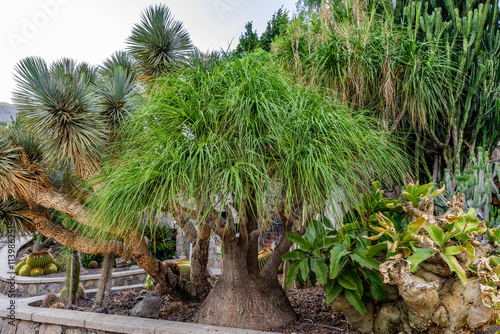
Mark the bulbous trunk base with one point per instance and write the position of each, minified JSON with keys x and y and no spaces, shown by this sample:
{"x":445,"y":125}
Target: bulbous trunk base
{"x":249,"y":302}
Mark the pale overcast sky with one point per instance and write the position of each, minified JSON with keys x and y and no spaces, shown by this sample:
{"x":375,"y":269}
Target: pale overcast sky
{"x":91,"y":30}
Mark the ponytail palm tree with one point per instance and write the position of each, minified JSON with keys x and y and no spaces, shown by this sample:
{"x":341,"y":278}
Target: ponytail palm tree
{"x":159,"y":43}
{"x":216,"y":145}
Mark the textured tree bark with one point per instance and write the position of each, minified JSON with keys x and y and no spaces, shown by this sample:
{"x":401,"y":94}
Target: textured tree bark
{"x":170,"y":284}
{"x":105,"y":282}
{"x":242,"y":297}
{"x":199,"y":263}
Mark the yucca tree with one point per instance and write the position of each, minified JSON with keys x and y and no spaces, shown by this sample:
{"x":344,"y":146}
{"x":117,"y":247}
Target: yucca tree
{"x":159,"y":43}
{"x":216,"y":145}
{"x":51,"y":162}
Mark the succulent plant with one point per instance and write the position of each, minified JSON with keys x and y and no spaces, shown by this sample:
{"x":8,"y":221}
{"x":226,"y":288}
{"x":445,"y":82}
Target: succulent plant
{"x":25,"y":270}
{"x":35,"y":272}
{"x":58,"y":264}
{"x":184,"y":269}
{"x":19,"y":266}
{"x":264,"y":256}
{"x":93,"y":265}
{"x":59,"y":305}
{"x":39,"y":259}
{"x":50,"y":299}
{"x":50,"y":269}
{"x":80,"y":293}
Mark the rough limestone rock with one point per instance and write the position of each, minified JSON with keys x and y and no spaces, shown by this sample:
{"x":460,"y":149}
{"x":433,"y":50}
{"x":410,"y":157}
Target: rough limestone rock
{"x":149,"y":307}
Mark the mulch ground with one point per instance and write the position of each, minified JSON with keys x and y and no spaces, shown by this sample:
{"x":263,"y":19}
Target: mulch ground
{"x":314,"y":315}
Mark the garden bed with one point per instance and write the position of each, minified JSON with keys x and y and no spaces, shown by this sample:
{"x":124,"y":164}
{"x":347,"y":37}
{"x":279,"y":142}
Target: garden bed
{"x":314,"y":315}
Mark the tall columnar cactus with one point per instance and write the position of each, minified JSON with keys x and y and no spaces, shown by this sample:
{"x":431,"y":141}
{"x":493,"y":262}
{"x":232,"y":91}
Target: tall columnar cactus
{"x":72,"y":276}
{"x":477,"y":185}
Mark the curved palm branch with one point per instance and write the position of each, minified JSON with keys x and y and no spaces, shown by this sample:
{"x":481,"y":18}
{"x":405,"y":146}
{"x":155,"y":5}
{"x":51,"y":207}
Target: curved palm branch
{"x":57,"y":104}
{"x":158,"y":43}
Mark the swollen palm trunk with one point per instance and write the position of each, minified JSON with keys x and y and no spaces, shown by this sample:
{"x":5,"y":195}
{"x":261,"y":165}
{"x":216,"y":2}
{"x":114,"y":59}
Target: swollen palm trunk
{"x":242,"y":297}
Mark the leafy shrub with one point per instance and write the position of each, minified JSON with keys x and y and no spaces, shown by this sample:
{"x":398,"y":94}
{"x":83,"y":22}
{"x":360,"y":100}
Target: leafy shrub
{"x":161,"y":241}
{"x":400,"y":242}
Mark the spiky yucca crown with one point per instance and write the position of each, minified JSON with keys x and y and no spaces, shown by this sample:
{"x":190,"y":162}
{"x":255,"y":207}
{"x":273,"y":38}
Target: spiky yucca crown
{"x":25,"y":270}
{"x":51,"y":268}
{"x":39,"y":259}
{"x":35,"y":272}
{"x":19,"y":266}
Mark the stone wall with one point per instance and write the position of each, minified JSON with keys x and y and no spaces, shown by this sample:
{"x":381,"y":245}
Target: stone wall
{"x":36,"y":320}
{"x":28,"y":327}
{"x":183,"y":245}
{"x":31,"y":286}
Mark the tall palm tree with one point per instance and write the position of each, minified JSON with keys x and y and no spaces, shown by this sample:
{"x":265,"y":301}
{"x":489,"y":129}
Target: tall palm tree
{"x":158,"y":43}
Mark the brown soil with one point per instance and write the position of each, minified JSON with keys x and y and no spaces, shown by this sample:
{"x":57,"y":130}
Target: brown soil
{"x":315,"y":316}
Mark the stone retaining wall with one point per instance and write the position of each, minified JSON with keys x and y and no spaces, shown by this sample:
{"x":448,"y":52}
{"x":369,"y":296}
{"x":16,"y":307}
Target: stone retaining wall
{"x":31,"y":286}
{"x":34,"y":320}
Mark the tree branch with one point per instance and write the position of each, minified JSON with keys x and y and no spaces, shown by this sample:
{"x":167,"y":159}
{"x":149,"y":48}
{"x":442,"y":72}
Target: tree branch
{"x":44,"y":225}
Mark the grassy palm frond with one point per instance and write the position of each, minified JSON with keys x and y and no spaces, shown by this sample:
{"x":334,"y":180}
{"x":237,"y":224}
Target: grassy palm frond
{"x":19,"y":178}
{"x":57,"y":104}
{"x":236,"y":131}
{"x":159,"y":42}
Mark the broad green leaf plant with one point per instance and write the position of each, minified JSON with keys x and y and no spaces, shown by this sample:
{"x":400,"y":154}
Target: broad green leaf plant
{"x":387,"y":241}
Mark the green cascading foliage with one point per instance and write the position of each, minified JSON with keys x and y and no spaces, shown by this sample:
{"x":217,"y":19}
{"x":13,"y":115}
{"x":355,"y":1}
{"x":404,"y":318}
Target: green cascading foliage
{"x":50,"y":269}
{"x":430,"y":70}
{"x":264,"y":256}
{"x":25,"y":270}
{"x":19,"y":266}
{"x":39,"y":259}
{"x":35,"y":272}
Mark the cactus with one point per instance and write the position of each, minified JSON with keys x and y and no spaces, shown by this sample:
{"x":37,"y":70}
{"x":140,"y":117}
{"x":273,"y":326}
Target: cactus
{"x":25,"y":270}
{"x":39,"y":259}
{"x":72,"y":277}
{"x":35,"y":272}
{"x":80,"y":293}
{"x":50,"y":269}
{"x":185,"y":269}
{"x":93,"y":265}
{"x":19,"y":266}
{"x":264,"y":256}
{"x":477,"y":185}
{"x":58,"y":264}
{"x":59,"y":305}
{"x":50,"y":299}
